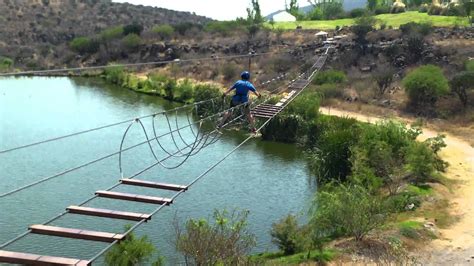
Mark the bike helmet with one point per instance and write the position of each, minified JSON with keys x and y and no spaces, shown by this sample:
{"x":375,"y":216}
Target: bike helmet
{"x":245,"y":75}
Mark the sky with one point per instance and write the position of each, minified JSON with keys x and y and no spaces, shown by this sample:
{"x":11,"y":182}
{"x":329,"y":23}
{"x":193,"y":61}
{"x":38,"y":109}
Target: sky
{"x":216,"y":9}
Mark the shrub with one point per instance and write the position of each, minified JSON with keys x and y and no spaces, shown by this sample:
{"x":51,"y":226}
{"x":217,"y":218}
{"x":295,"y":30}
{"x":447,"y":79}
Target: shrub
{"x":435,"y":10}
{"x":415,"y":45}
{"x":115,"y":74}
{"x":84,"y":45}
{"x":5,"y":63}
{"x":424,"y":85}
{"x":111,"y":34}
{"x":330,"y":77}
{"x":362,"y":26}
{"x":421,"y":161}
{"x":133,"y":251}
{"x":224,"y":28}
{"x":400,"y":202}
{"x":382,"y":10}
{"x":229,"y":71}
{"x":223,"y":241}
{"x":203,"y":92}
{"x":185,"y":91}
{"x":305,"y":105}
{"x":133,"y":29}
{"x":383,"y":77}
{"x":329,"y":160}
{"x":316,"y":14}
{"x":423,"y":28}
{"x":461,"y":83}
{"x":330,"y":90}
{"x":284,"y":128}
{"x":424,"y":8}
{"x":132,"y":41}
{"x":285,"y":234}
{"x":333,"y":10}
{"x":347,"y":210}
{"x":164,"y":31}
{"x":169,"y":87}
{"x":469,"y":65}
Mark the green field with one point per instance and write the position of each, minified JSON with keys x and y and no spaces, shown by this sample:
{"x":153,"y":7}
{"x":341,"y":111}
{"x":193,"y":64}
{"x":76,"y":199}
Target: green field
{"x":394,"y":20}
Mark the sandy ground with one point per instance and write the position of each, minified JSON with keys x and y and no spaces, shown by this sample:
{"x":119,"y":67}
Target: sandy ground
{"x":456,"y":244}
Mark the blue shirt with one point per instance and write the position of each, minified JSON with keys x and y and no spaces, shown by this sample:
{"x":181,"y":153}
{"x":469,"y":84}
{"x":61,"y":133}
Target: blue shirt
{"x":242,"y":88}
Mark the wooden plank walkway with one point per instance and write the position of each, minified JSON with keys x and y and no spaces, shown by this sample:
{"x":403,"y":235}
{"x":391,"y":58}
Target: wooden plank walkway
{"x":75,"y":233}
{"x":33,"y":259}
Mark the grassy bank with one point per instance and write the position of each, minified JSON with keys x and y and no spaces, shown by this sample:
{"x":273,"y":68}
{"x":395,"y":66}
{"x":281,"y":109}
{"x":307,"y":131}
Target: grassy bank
{"x":393,"y":20}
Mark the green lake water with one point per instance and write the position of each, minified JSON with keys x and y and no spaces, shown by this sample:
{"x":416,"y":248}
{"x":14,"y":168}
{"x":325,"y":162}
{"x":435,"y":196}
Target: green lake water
{"x":268,"y":179}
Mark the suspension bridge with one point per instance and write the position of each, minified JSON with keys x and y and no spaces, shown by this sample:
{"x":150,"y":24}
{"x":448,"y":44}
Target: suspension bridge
{"x":183,"y":149}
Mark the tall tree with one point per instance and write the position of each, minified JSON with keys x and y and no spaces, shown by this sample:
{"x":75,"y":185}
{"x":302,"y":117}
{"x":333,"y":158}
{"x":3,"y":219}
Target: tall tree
{"x":254,"y":13}
{"x":293,"y":8}
{"x":323,"y":3}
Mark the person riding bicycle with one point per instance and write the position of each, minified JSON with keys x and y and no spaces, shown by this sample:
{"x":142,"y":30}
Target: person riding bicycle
{"x":241,"y":97}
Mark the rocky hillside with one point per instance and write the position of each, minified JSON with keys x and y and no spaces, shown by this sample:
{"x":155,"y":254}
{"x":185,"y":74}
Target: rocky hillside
{"x":37,"y":22}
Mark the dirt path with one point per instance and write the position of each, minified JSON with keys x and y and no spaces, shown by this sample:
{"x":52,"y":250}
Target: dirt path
{"x":456,"y":245}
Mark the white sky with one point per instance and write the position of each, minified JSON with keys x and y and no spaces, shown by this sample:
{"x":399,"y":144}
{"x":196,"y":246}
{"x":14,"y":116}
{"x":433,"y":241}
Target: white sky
{"x":216,"y":9}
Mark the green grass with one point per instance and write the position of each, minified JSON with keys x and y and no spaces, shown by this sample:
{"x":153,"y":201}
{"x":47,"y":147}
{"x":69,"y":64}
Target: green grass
{"x":421,"y":190}
{"x":410,"y":224}
{"x":394,"y":20}
{"x":279,"y":259}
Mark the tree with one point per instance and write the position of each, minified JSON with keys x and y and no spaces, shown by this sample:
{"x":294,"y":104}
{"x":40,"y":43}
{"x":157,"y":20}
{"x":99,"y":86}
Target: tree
{"x":84,"y":45}
{"x":424,"y":85}
{"x":372,"y":4}
{"x":293,"y":8}
{"x":134,"y":28}
{"x":223,"y":241}
{"x":347,"y":210}
{"x":362,"y":26}
{"x":468,"y":6}
{"x":132,"y":41}
{"x":133,"y":251}
{"x":461,"y":83}
{"x":254,"y":13}
{"x":383,"y":77}
{"x":164,"y":31}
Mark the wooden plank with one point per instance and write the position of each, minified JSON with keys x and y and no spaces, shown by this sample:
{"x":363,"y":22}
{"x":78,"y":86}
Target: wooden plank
{"x":266,"y":110}
{"x":75,"y":233}
{"x":268,"y":106}
{"x":33,"y":259}
{"x":131,"y":216}
{"x":133,"y":197}
{"x":142,"y":183}
{"x":264,"y":116}
{"x":264,"y":113}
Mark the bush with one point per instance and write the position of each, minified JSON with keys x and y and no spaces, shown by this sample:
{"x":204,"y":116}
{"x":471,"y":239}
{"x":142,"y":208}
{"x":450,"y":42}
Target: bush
{"x":461,"y":83}
{"x":382,"y":10}
{"x":399,"y":203}
{"x":435,"y":10}
{"x":286,"y":235}
{"x":328,"y":159}
{"x":133,"y":29}
{"x":225,"y":241}
{"x":333,"y":10}
{"x":316,"y":14}
{"x":224,"y":28}
{"x":284,"y":128}
{"x":469,"y":65}
{"x":84,"y":45}
{"x":421,"y":162}
{"x":424,"y":85}
{"x":111,"y":34}
{"x":203,"y":92}
{"x":330,"y":77}
{"x":415,"y":45}
{"x":358,"y":12}
{"x":229,"y":71}
{"x":169,"y":87}
{"x":133,"y":251}
{"x":5,"y":63}
{"x":330,"y":90}
{"x":424,"y":8}
{"x":132,"y":41}
{"x":423,"y":28}
{"x":305,"y":105}
{"x":185,"y":91}
{"x":453,"y":10}
{"x":347,"y":210}
{"x":164,"y":31}
{"x":115,"y":75}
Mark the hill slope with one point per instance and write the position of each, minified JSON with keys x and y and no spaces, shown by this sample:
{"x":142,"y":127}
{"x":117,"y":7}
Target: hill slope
{"x":33,"y":22}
